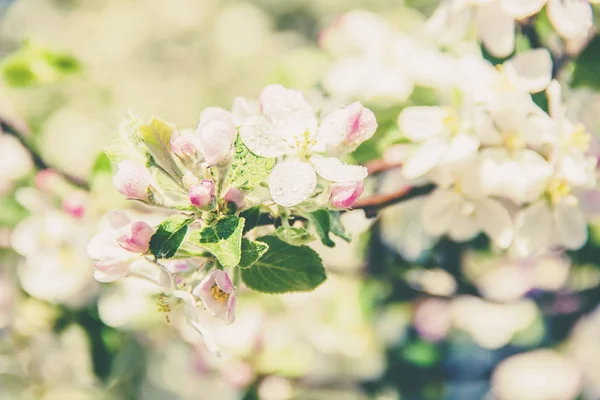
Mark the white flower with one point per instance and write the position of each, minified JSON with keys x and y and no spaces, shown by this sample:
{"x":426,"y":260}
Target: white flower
{"x":554,"y":220}
{"x":441,"y":137}
{"x":451,"y":212}
{"x":373,"y":58}
{"x":289,"y":127}
{"x":572,"y":19}
{"x":114,"y":249}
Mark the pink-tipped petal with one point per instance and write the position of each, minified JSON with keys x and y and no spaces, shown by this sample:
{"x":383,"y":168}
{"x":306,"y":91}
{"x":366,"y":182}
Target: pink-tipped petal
{"x":235,"y":195}
{"x":183,"y":145}
{"x":111,"y":270}
{"x":203,"y":194}
{"x":345,"y":194}
{"x":135,"y":237}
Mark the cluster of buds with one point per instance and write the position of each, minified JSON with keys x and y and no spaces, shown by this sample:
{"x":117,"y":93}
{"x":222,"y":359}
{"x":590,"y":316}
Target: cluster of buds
{"x":279,"y":160}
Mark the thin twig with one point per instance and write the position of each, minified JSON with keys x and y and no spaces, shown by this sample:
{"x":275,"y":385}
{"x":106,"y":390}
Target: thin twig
{"x":377,"y":166}
{"x":20,"y":131}
{"x":373,"y":204}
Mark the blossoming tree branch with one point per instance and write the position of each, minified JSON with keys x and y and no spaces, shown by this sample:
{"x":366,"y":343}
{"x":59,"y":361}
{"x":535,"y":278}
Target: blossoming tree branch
{"x":245,"y":192}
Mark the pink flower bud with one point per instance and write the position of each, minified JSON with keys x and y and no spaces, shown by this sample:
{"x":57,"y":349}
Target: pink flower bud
{"x":215,"y":137}
{"x":218,"y":295}
{"x":74,"y":204}
{"x":203,"y":194}
{"x":132,"y":180}
{"x":361,"y":125}
{"x":46,"y":179}
{"x":235,"y":195}
{"x":183,"y":145}
{"x":135,"y":237}
{"x":345,"y":194}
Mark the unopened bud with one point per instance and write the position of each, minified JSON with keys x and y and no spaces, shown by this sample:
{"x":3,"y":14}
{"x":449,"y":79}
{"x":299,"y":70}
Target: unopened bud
{"x":235,"y":195}
{"x":203,"y":194}
{"x":216,"y":134}
{"x":345,"y":194}
{"x":132,"y":180}
{"x":74,"y":204}
{"x":184,"y":145}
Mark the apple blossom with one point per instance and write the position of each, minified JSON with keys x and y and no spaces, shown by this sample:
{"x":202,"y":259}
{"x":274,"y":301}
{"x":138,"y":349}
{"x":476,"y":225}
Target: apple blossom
{"x":442,"y":138}
{"x":234,"y":195}
{"x":203,"y":194}
{"x":116,"y":247}
{"x":132,"y":180}
{"x":218,"y":295}
{"x":216,"y":133}
{"x":345,"y":194}
{"x":461,"y":217}
{"x":288,"y":127}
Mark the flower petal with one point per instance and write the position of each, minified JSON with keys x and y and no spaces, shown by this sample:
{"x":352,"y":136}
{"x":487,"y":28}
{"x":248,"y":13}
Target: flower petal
{"x":496,"y":28}
{"x":111,"y":270}
{"x":288,"y":111}
{"x":439,"y":211}
{"x":424,"y":158}
{"x":571,"y":18}
{"x":495,"y":221}
{"x":571,"y":226}
{"x":291,"y":182}
{"x":534,"y":226}
{"x":104,"y":246}
{"x":421,"y":123}
{"x":463,"y":228}
{"x":258,"y":135}
{"x":530,"y":70}
{"x":523,"y":8}
{"x":461,"y":146}
{"x":352,"y":124}
{"x":335,"y":170}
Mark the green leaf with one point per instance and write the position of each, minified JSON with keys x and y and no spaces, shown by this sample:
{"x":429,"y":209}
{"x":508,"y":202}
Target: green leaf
{"x":157,"y":138}
{"x":247,"y":169}
{"x":33,"y":65}
{"x":322,"y":222}
{"x":252,"y":216}
{"x":285,"y":268}
{"x":127,"y":145}
{"x":251,"y":252}
{"x":337,"y":228}
{"x":169,"y":235}
{"x":586,"y":72}
{"x":294,"y":236}
{"x":223,"y":240}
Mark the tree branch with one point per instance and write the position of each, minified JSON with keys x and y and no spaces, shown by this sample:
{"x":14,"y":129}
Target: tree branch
{"x":20,"y":131}
{"x":373,"y":204}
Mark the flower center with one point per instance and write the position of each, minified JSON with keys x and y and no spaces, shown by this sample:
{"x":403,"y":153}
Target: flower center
{"x":451,"y":121}
{"x":304,"y":144}
{"x":219,"y":294}
{"x":513,"y":141}
{"x":558,"y":189}
{"x":579,"y":138}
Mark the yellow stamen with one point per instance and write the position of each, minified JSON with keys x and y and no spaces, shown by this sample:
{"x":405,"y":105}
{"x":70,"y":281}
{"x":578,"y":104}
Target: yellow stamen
{"x":451,"y":120}
{"x":513,"y":141}
{"x":558,"y":189}
{"x":579,"y":139}
{"x":218,"y":294}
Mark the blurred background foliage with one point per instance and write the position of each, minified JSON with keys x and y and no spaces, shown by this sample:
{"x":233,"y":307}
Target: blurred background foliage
{"x":383,"y":326}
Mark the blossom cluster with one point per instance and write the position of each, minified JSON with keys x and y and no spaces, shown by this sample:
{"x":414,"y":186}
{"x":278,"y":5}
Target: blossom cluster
{"x":501,"y":164}
{"x":280,"y":162}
